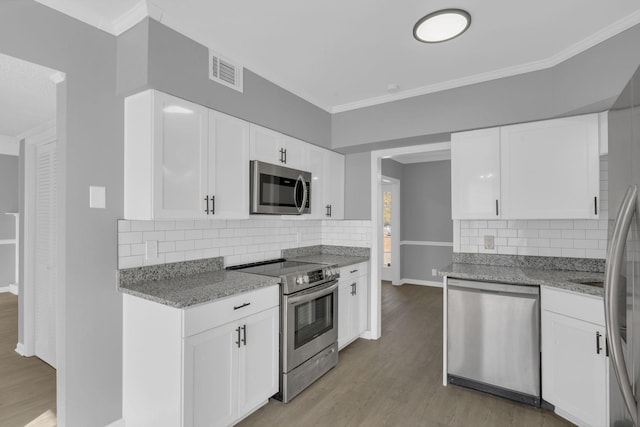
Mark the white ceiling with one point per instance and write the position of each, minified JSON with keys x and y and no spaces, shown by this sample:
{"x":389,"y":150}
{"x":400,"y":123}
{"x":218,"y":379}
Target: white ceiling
{"x":342,"y":55}
{"x":27,"y":96}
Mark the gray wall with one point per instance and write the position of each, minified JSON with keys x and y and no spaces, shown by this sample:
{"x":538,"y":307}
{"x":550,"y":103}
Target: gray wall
{"x":588,"y":82}
{"x":178,"y":65}
{"x":90,"y":129}
{"x":425,"y":216}
{"x":392,"y":169}
{"x":8,"y":203}
{"x":357,"y":190}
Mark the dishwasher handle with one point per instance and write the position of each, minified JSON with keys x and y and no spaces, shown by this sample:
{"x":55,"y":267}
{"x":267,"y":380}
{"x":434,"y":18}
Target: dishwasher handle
{"x":494,"y":287}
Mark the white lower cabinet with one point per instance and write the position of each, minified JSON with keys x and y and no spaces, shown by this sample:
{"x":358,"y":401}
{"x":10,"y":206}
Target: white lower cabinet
{"x":211,"y":365}
{"x":352,"y":303}
{"x":574,"y":356}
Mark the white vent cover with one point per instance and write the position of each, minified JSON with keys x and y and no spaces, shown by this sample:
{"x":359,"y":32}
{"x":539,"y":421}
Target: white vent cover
{"x":224,"y":71}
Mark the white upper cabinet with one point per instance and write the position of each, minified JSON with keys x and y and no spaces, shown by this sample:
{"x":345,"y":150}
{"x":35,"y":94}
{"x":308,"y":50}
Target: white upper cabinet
{"x":275,"y":148}
{"x":327,"y":182}
{"x":541,"y":170}
{"x":183,"y":160}
{"x":475,"y":174}
{"x":551,"y":169}
{"x":229,"y":143}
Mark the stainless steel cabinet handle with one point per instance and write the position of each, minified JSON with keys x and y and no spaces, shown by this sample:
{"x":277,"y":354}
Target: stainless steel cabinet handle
{"x":213,"y":205}
{"x":497,"y":207}
{"x":354,"y":289}
{"x":238,"y":331}
{"x":615,"y":259}
{"x":595,"y":205}
{"x":206,"y":199}
{"x":598,"y":348}
{"x":282,"y":156}
{"x":353,"y":271}
{"x":328,"y":210}
{"x":244,"y":334}
{"x":285,"y":156}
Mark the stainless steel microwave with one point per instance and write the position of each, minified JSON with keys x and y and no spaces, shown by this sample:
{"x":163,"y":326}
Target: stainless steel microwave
{"x":278,"y":190}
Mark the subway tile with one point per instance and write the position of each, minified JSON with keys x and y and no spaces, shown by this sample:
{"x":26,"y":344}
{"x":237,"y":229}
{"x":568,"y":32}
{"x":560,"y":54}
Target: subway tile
{"x":496,"y":223}
{"x":550,"y":252}
{"x":202,"y":224}
{"x":226,"y":232}
{"x":517,"y":223}
{"x":586,"y":224}
{"x":156,"y":261}
{"x":153,"y":235}
{"x":528,"y":233}
{"x":130,"y":262}
{"x":210,"y":234}
{"x":527,"y":251}
{"x":174,"y":235}
{"x":124,"y":226}
{"x":560,"y":243}
{"x":193,"y":254}
{"x":596,"y":234}
{"x":192,"y":234}
{"x":202,"y":244}
{"x":508,"y":250}
{"x":468,"y":232}
{"x":550,"y":234}
{"x":138,"y":249}
{"x":596,"y":253}
{"x":538,"y":224}
{"x":573,"y":234}
{"x":124,"y":250}
{"x":464,"y":223}
{"x":507,"y":232}
{"x":174,"y":257}
{"x":142,"y":225}
{"x":184,"y":224}
{"x":164,"y":247}
{"x":478,"y":224}
{"x":573,"y":253}
{"x":165,"y":225}
{"x":211,"y":252}
{"x":585,"y":244}
{"x":562,"y":224}
{"x":185,"y":245}
{"x":130,"y":237}
{"x":469,"y":248}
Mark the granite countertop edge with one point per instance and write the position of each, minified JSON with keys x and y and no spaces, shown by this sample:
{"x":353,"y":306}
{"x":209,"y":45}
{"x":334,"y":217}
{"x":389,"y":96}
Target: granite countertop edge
{"x":561,"y":279}
{"x":191,"y":291}
{"x":339,"y":260}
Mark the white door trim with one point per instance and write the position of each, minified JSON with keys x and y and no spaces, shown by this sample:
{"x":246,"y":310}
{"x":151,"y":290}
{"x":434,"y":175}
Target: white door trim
{"x":394,"y":271}
{"x":46,"y":136}
{"x":375,"y":301}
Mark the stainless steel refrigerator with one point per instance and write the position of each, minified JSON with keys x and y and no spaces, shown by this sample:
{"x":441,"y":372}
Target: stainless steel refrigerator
{"x":622,"y":276}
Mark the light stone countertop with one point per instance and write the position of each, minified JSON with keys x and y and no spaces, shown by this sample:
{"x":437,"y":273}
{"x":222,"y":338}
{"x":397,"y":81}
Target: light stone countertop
{"x":562,"y":279}
{"x":195,"y":289}
{"x":339,"y":260}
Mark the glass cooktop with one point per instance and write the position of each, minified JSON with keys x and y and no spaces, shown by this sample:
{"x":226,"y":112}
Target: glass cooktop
{"x":277,"y":268}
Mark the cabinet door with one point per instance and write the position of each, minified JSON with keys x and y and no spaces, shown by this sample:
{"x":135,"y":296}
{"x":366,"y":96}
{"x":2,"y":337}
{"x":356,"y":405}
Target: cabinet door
{"x":574,"y":371}
{"x":266,"y":145}
{"x":259,"y":361}
{"x":294,"y":156}
{"x":316,"y":162}
{"x":550,"y":169}
{"x":344,"y":313}
{"x":210,"y":377}
{"x":362,"y":293}
{"x":475,"y":174}
{"x":229,"y":166}
{"x":334,"y":190}
{"x":180,"y":158}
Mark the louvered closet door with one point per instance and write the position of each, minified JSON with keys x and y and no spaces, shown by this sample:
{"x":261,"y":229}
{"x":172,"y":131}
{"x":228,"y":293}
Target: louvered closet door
{"x":46,"y":260}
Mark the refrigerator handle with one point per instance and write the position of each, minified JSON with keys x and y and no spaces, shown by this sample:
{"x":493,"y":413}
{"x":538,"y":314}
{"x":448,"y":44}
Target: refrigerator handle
{"x":611,"y":290}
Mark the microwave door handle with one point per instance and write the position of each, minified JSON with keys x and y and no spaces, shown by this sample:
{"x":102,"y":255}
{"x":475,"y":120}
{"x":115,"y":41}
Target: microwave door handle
{"x":611,"y":292}
{"x":295,"y":195}
{"x":300,"y":180}
{"x":305,"y":193}
{"x":312,"y":295}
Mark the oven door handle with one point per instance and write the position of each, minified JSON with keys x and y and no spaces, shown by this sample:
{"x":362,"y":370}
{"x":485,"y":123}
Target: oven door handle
{"x":312,"y":295}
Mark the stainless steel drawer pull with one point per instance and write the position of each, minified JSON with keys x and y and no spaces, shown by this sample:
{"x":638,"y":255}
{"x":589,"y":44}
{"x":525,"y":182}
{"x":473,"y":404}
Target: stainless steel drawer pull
{"x":237,"y":307}
{"x":354,"y":290}
{"x":353,"y":271}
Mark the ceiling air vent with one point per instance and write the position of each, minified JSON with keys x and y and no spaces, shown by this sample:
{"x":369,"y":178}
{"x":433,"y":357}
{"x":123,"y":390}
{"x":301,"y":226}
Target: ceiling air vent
{"x":224,"y":71}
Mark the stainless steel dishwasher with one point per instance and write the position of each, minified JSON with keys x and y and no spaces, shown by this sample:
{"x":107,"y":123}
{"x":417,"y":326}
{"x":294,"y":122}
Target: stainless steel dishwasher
{"x":493,"y":336}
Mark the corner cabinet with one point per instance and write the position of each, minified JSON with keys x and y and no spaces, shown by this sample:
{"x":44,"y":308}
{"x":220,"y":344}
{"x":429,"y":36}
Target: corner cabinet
{"x":575,"y":368}
{"x":352,"y":303}
{"x":210,"y":365}
{"x":327,"y":183}
{"x":475,"y":174}
{"x":540,"y":170}
{"x":183,"y":160}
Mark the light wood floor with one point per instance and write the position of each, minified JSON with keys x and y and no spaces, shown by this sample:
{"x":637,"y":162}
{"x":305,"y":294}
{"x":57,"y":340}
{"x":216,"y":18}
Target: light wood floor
{"x":397,"y":380}
{"x":27,"y":384}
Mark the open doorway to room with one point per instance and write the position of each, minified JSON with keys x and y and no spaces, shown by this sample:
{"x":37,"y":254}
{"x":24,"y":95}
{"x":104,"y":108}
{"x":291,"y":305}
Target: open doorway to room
{"x":28,"y":338}
{"x":414,"y":244}
{"x":390,"y":229}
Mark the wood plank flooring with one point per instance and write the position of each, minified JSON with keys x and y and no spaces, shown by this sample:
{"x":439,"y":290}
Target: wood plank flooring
{"x":397,"y":380}
{"x":27,"y":384}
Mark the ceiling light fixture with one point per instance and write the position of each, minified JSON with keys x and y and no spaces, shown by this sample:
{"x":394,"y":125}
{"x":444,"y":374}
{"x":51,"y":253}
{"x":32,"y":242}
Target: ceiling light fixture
{"x":442,"y":25}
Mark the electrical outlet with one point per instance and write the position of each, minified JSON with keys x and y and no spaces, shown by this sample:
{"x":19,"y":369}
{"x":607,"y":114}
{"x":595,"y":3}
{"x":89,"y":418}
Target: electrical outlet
{"x":151,"y":249}
{"x":489,"y":242}
{"x":434,"y":272}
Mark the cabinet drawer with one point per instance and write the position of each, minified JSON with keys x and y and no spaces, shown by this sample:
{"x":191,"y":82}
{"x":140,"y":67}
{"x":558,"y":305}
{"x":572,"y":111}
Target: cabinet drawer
{"x":579,"y":306}
{"x":352,"y":271}
{"x":229,"y":309}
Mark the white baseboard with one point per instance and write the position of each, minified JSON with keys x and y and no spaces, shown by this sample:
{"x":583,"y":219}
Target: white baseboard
{"x":367,"y":335}
{"x":4,"y":289}
{"x":20,"y":349}
{"x":421,"y":282}
{"x":13,"y":288}
{"x":117,"y":423}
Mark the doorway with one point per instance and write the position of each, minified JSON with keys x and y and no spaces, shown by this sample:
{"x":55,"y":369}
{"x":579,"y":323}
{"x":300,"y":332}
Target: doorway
{"x":390,"y":216}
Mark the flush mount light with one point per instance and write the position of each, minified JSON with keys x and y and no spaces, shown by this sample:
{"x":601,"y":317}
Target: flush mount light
{"x":442,"y":25}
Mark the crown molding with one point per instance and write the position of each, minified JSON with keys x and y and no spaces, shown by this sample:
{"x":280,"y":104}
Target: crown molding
{"x":44,"y":131}
{"x":130,"y":18}
{"x":571,"y":51}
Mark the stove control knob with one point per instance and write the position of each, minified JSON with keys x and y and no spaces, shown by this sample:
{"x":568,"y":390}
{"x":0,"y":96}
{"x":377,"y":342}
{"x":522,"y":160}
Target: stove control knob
{"x":299,"y":280}
{"x":328,"y":273}
{"x":305,"y":278}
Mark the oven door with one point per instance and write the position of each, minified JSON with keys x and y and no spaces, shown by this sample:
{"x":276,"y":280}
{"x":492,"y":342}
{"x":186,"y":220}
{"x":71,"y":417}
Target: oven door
{"x":310,"y":322}
{"x":279,"y":190}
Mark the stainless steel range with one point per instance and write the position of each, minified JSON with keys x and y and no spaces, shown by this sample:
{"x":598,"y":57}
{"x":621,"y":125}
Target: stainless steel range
{"x":308,"y":321}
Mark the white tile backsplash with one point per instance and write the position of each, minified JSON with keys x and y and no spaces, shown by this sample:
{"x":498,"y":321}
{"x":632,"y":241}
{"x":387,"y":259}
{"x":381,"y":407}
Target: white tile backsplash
{"x":579,"y":238}
{"x":238,"y":241}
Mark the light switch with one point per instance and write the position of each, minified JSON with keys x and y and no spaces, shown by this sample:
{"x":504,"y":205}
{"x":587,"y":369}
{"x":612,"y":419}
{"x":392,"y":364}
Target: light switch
{"x":97,"y":197}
